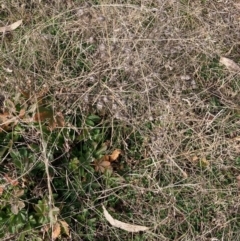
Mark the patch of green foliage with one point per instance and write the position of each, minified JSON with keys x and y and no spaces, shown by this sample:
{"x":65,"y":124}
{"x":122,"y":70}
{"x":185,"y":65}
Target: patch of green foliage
{"x":71,"y":152}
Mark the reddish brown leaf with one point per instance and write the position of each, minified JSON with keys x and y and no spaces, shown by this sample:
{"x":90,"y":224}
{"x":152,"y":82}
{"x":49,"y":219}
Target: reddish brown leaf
{"x":6,"y":121}
{"x":52,"y":124}
{"x":43,"y":114}
{"x":11,"y":181}
{"x":26,"y":94}
{"x":22,"y":113}
{"x":60,"y":119}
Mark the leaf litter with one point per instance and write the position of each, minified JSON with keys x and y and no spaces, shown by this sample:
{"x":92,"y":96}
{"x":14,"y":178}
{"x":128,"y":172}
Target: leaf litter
{"x":229,"y":64}
{"x":104,"y":163}
{"x":124,"y":226}
{"x":11,"y":27}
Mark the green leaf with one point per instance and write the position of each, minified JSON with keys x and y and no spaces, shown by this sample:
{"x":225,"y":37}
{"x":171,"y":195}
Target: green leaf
{"x":94,"y":118}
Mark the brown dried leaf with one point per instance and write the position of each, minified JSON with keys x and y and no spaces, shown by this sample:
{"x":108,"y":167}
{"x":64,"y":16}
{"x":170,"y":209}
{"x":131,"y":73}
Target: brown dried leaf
{"x":60,"y":119}
{"x":194,"y":159}
{"x":125,"y":226}
{"x":11,"y":181}
{"x":56,"y":231}
{"x":106,"y":158}
{"x":6,"y":121}
{"x":115,"y":155}
{"x":26,"y":94}
{"x":43,"y":114}
{"x":65,"y":227}
{"x":22,"y":113}
{"x":19,"y":193}
{"x":52,"y":124}
{"x":102,"y":165}
{"x":17,"y":206}
{"x":229,"y":64}
{"x":10,"y":27}
{"x":4,"y":118}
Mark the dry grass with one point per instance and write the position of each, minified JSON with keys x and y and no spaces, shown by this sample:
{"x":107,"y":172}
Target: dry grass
{"x":136,"y":63}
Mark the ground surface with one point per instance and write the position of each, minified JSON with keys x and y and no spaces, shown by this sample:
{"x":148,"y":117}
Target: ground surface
{"x":150,"y":71}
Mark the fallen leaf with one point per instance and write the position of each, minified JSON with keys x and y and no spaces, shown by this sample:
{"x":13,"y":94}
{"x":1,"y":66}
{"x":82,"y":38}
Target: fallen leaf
{"x":65,"y":227}
{"x":105,"y":162}
{"x":204,"y":162}
{"x":194,"y":158}
{"x":26,"y":94}
{"x":106,"y":158}
{"x":6,"y":121}
{"x":229,"y":64}
{"x":52,"y":124}
{"x":115,"y":155}
{"x":57,"y":121}
{"x":60,"y":119}
{"x":18,"y":193}
{"x":43,"y":114}
{"x":4,"y":117}
{"x":102,"y":165}
{"x":10,"y":27}
{"x":125,"y":226}
{"x":7,"y":70}
{"x":17,"y":206}
{"x":11,"y":181}
{"x":22,"y":113}
{"x":56,"y":231}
